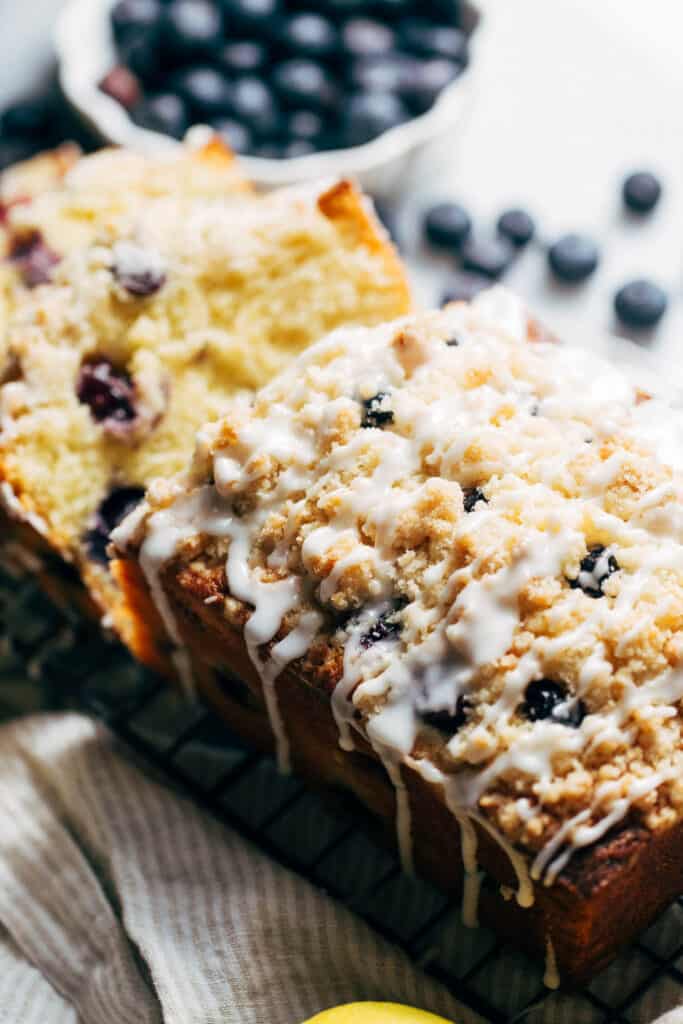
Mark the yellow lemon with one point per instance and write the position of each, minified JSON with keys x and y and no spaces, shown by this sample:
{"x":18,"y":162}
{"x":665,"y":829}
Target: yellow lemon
{"x":375,"y":1013}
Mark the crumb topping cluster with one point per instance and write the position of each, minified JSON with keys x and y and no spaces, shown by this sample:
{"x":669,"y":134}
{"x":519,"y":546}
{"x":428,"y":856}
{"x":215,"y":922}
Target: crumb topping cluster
{"x":490,"y":528}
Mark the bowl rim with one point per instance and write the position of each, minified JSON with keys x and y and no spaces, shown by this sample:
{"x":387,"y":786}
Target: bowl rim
{"x":85,"y":52}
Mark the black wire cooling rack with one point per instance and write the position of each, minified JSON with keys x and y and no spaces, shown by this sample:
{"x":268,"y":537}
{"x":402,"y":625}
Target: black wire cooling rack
{"x":51,"y":661}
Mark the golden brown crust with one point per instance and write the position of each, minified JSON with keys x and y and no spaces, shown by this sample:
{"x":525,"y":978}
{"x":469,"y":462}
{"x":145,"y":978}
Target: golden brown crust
{"x":345,"y":205}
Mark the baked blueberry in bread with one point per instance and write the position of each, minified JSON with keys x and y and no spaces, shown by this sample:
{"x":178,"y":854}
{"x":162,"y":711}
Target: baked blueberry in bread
{"x":446,"y":556}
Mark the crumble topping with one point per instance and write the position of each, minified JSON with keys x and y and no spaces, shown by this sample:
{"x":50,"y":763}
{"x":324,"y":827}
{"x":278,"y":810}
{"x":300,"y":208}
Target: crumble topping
{"x":495,"y":528}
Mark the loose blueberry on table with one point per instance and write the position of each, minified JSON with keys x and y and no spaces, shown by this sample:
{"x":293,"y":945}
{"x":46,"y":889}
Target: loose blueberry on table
{"x":573,"y":258}
{"x":365,"y":66}
{"x":641,"y":191}
{"x":516,"y":226}
{"x":447,"y":225}
{"x":640,"y":303}
{"x":489,"y":257}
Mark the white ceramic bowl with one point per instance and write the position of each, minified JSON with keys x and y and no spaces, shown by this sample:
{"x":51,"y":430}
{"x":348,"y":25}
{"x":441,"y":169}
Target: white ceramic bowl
{"x":85,"y":51}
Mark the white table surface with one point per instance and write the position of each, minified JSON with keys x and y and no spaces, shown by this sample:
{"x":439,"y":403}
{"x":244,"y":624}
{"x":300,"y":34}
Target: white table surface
{"x":569,"y":95}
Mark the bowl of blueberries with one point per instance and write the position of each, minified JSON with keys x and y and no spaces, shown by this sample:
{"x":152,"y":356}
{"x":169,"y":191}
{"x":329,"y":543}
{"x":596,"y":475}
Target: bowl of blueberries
{"x":299,"y":90}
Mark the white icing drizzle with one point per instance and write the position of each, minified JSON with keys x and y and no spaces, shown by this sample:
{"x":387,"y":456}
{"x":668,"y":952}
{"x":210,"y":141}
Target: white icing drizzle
{"x":470,"y":898}
{"x":167,"y":530}
{"x":525,"y":888}
{"x":536,"y":524}
{"x":551,"y":976}
{"x":403,"y":817}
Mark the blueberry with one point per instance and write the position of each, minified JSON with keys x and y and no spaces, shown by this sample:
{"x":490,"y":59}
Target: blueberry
{"x":305,"y":125}
{"x":123,"y":86}
{"x":447,"y":225}
{"x":448,"y":721}
{"x":364,"y":37}
{"x":309,"y":34}
{"x":391,"y":72}
{"x":462,"y":287}
{"x":14,"y":150}
{"x":33,"y":258}
{"x":305,"y":84}
{"x":191,"y":28}
{"x":545,"y":698}
{"x":243,"y":56}
{"x":428,"y":80}
{"x":235,"y":134}
{"x":257,"y":16}
{"x":596,"y":567}
{"x":109,"y":393}
{"x":429,"y":39}
{"x":517,"y":226}
{"x":640,"y":303}
{"x":206,"y":91}
{"x":130,"y":17}
{"x":573,"y":257}
{"x":490,"y":257}
{"x":641,"y":191}
{"x":375,"y":411}
{"x":164,"y":112}
{"x":112,"y":511}
{"x":368,"y":115}
{"x":138,"y":270}
{"x":253,"y":102}
{"x":472,"y":496}
{"x":387,"y":626}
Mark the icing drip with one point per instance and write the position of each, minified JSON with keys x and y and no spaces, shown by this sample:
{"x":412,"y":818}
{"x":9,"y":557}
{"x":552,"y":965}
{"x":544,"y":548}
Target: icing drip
{"x":166,"y":531}
{"x":403,"y":819}
{"x":470,"y":898}
{"x":551,"y":976}
{"x":525,"y":888}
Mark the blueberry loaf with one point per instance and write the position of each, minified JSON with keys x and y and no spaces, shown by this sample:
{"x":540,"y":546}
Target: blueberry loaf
{"x":174,"y":298}
{"x":440,"y":562}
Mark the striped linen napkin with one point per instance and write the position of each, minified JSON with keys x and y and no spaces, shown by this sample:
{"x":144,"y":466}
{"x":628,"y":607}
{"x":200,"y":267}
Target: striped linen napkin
{"x":121,"y":903}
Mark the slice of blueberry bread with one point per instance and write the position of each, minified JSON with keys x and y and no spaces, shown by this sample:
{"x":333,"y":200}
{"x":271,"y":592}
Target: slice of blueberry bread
{"x":466,"y":542}
{"x":60,"y":201}
{"x":148,"y":330}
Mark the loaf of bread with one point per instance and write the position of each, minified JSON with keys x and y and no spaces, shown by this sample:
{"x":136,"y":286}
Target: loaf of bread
{"x":440,"y":562}
{"x":167,"y":288}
